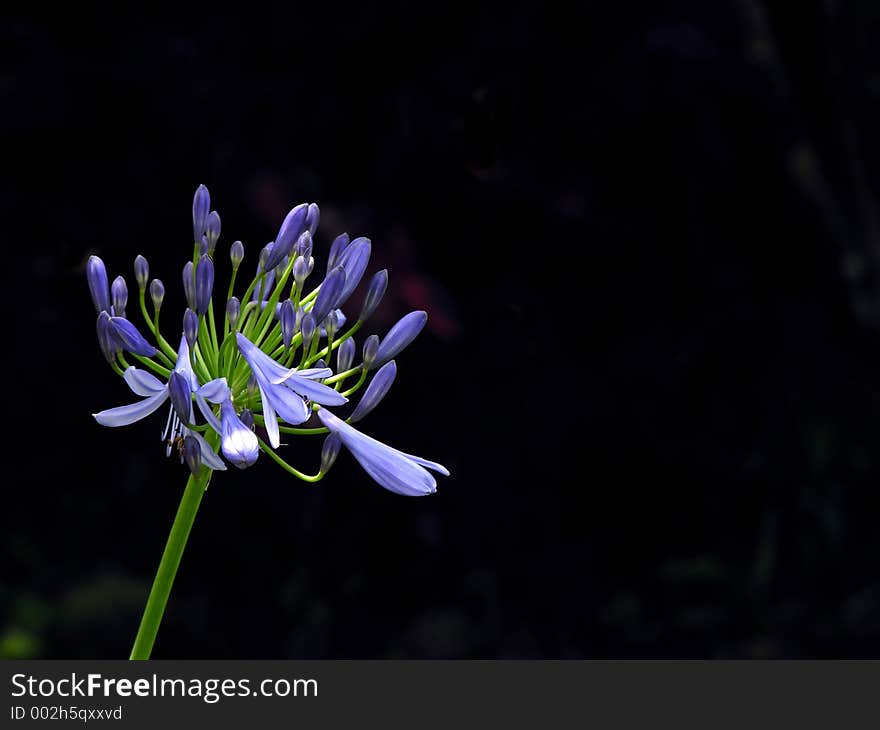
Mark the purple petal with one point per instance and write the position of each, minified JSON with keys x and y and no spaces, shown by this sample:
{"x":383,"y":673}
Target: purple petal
{"x":216,"y":390}
{"x":143,"y":382}
{"x":287,"y":404}
{"x":125,"y":415}
{"x":391,"y":468}
{"x":270,"y":419}
{"x":209,"y":456}
{"x":260,"y":361}
{"x":318,"y":392}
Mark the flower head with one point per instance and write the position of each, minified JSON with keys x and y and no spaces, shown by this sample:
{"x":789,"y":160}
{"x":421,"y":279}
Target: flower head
{"x":266,"y":369}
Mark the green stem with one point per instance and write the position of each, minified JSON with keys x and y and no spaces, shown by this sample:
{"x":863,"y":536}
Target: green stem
{"x":155,"y":608}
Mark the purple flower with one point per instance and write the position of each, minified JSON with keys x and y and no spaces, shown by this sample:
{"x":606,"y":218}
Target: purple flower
{"x":396,"y":471}
{"x":282,"y":389}
{"x":155,"y":393}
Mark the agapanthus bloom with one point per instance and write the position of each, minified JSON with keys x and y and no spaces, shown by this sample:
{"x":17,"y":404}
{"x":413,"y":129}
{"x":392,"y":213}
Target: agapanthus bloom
{"x":273,"y":354}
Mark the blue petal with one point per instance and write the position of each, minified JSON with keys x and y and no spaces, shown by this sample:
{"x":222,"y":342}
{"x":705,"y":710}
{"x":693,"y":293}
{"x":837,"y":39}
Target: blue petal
{"x":184,"y":365}
{"x":313,"y":373}
{"x":318,"y":392}
{"x":216,"y":390}
{"x":209,"y":456}
{"x":260,"y":361}
{"x":391,"y":468}
{"x":142,"y":382}
{"x":125,"y":415}
{"x":287,"y":404}
{"x":269,"y":418}
{"x":208,"y":413}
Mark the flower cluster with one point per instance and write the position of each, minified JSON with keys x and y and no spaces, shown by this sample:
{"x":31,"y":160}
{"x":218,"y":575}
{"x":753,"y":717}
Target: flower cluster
{"x":269,"y":361}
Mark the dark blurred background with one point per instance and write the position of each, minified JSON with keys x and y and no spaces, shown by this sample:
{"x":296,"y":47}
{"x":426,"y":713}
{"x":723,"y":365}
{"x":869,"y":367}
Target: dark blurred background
{"x":648,"y":239}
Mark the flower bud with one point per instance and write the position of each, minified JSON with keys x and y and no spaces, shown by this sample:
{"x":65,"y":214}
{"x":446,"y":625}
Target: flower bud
{"x":265,"y":254}
{"x":354,"y":260}
{"x":119,"y":295}
{"x":313,"y":218}
{"x":304,"y":245}
{"x":212,"y":231}
{"x":345,"y":355}
{"x":291,"y":229}
{"x":375,"y":292}
{"x":233,"y":309}
{"x":247,"y":418}
{"x":204,"y":283}
{"x":141,"y":272}
{"x":371,"y":347}
{"x":190,"y":327}
{"x":201,"y":206}
{"x":192,"y":454}
{"x":157,"y":293}
{"x":329,"y":293}
{"x":309,"y":326}
{"x":128,"y":338}
{"x":376,"y":391}
{"x":181,"y":395}
{"x":331,"y":324}
{"x":236,"y":254}
{"x":340,"y":243}
{"x":330,"y":450}
{"x":300,"y":271}
{"x":105,"y":337}
{"x":96,"y":274}
{"x":288,"y":321}
{"x":189,"y":285}
{"x":400,"y":335}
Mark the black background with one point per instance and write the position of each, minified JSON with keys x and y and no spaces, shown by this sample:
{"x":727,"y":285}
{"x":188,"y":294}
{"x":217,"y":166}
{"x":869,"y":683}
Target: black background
{"x":647,"y":238}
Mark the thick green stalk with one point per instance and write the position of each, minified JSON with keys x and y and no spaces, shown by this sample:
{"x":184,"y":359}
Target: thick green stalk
{"x":183,"y":522}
